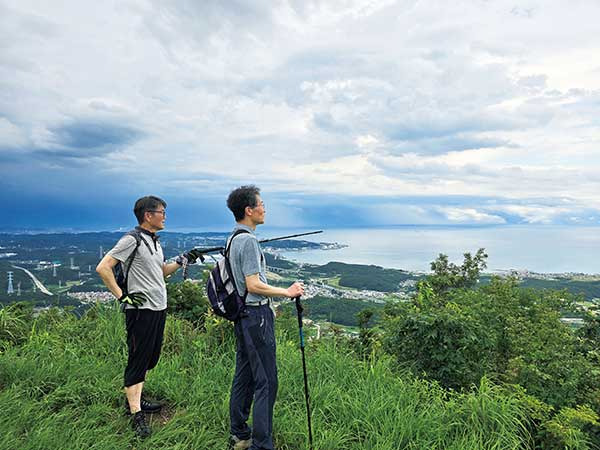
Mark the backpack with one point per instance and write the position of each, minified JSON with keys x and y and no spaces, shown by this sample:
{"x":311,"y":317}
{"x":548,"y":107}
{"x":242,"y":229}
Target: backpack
{"x":221,"y":289}
{"x":122,"y":275}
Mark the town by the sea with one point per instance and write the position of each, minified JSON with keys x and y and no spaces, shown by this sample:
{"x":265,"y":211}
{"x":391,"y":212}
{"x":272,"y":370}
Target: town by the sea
{"x":344,"y":270}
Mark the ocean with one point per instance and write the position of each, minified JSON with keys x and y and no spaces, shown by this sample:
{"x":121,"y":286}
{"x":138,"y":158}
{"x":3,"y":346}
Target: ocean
{"x":546,"y":249}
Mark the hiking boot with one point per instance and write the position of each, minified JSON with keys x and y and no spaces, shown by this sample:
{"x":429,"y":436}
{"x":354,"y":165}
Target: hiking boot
{"x":146,"y":405}
{"x":140,"y":426}
{"x":236,"y":443}
{"x":150,"y":407}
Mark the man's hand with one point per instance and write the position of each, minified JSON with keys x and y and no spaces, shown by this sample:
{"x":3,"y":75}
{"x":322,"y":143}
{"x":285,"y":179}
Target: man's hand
{"x":190,"y":256}
{"x":296,"y":290}
{"x":136,"y":300}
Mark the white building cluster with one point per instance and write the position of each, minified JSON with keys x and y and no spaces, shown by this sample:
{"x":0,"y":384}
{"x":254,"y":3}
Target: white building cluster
{"x":93,"y":297}
{"x":317,"y":287}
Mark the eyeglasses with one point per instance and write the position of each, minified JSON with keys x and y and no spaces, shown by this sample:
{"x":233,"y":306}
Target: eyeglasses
{"x":163,"y":212}
{"x":261,"y":204}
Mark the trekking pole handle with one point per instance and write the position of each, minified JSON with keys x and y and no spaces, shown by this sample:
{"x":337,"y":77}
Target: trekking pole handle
{"x":300,"y":309}
{"x":184,"y":269}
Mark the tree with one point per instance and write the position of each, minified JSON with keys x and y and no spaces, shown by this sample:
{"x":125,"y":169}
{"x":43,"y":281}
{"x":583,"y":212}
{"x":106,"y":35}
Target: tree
{"x":454,"y":333}
{"x":367,"y":335}
{"x":447,"y":275}
{"x":188,"y":301}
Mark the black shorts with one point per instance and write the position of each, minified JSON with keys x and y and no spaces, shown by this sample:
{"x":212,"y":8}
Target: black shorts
{"x":145,"y":329}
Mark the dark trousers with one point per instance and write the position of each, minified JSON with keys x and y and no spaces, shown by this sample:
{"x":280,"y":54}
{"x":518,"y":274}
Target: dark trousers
{"x":145,"y":329}
{"x":255,"y":377}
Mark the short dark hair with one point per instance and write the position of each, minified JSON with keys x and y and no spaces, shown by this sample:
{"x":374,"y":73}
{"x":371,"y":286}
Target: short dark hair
{"x":240,"y":198}
{"x":145,"y":204}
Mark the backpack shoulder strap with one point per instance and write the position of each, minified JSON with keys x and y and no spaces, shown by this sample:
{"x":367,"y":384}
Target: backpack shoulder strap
{"x":138,"y":240}
{"x":226,"y":259}
{"x":237,"y":233}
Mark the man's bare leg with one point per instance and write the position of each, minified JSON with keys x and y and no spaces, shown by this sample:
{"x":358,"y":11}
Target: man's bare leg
{"x":134,"y":397}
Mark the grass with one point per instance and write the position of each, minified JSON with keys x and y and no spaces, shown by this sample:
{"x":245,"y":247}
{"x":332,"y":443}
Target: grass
{"x":335,"y":281}
{"x":60,"y":389}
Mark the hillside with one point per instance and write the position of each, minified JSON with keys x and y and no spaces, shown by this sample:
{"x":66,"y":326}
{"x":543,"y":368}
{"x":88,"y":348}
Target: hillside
{"x":60,"y":381}
{"x":362,"y":276}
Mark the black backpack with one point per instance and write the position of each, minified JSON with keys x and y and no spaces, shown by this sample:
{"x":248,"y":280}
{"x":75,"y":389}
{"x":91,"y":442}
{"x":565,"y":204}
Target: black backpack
{"x":221,"y":289}
{"x":122,"y":276}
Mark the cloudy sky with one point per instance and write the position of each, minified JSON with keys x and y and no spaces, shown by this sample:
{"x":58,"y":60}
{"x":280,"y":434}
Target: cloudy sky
{"x":344,"y":112}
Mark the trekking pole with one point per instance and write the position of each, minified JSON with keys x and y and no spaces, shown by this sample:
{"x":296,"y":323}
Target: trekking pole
{"x":206,"y":251}
{"x":299,"y":309}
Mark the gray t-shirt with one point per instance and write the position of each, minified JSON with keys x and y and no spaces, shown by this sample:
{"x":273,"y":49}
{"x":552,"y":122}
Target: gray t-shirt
{"x":146,"y":273}
{"x":246,"y":258}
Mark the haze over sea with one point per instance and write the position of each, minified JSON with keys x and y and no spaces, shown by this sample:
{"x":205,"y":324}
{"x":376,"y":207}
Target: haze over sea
{"x":548,"y":249}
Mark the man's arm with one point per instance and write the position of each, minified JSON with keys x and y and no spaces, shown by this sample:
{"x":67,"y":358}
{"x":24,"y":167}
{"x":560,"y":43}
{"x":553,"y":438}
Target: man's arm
{"x":169,"y":268}
{"x":105,"y":270}
{"x":190,"y":257}
{"x":255,"y":286}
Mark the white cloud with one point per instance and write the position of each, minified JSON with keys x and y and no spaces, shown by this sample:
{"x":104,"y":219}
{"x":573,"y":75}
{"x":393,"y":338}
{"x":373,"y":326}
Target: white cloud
{"x":366,"y":141}
{"x":11,"y":136}
{"x":542,"y":214}
{"x":470,"y":215}
{"x":468,"y":98}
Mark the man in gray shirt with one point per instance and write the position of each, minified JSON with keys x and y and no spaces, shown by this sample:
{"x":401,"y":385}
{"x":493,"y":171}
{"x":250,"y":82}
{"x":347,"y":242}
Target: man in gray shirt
{"x":255,"y":363}
{"x":145,"y":299}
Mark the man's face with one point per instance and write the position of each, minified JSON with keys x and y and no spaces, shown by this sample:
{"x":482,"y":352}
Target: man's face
{"x":156,"y":218}
{"x":257,"y":213}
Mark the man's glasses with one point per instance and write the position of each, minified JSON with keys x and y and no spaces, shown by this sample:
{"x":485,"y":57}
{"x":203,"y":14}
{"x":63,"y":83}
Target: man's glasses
{"x":163,"y":212}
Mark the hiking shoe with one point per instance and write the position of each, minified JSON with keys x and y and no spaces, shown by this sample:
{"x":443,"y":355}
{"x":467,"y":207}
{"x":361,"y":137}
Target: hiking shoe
{"x":140,"y":426}
{"x":150,"y":407}
{"x":146,"y":405}
{"x":236,"y":443}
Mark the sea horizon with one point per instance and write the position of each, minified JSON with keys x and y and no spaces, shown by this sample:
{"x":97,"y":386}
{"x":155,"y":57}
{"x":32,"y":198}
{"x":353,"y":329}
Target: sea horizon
{"x":550,"y":249}
{"x":268,"y":228}
{"x":541,"y":248}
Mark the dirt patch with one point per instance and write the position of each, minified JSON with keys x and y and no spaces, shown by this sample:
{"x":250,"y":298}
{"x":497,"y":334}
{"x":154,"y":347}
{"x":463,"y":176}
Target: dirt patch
{"x":161,"y":418}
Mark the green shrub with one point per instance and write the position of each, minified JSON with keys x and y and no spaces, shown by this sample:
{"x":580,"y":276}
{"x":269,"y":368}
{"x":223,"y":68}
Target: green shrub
{"x":448,"y":345}
{"x":566,"y":429}
{"x":187,"y":300}
{"x":456,"y":335}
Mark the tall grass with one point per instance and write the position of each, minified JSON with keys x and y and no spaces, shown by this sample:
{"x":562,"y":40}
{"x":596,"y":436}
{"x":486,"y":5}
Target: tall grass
{"x":60,"y":389}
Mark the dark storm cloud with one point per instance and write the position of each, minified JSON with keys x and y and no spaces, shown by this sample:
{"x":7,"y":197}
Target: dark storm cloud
{"x":92,"y":135}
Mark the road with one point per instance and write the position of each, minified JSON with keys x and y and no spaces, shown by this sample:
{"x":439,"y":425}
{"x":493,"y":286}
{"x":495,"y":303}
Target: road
{"x":37,"y":282}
